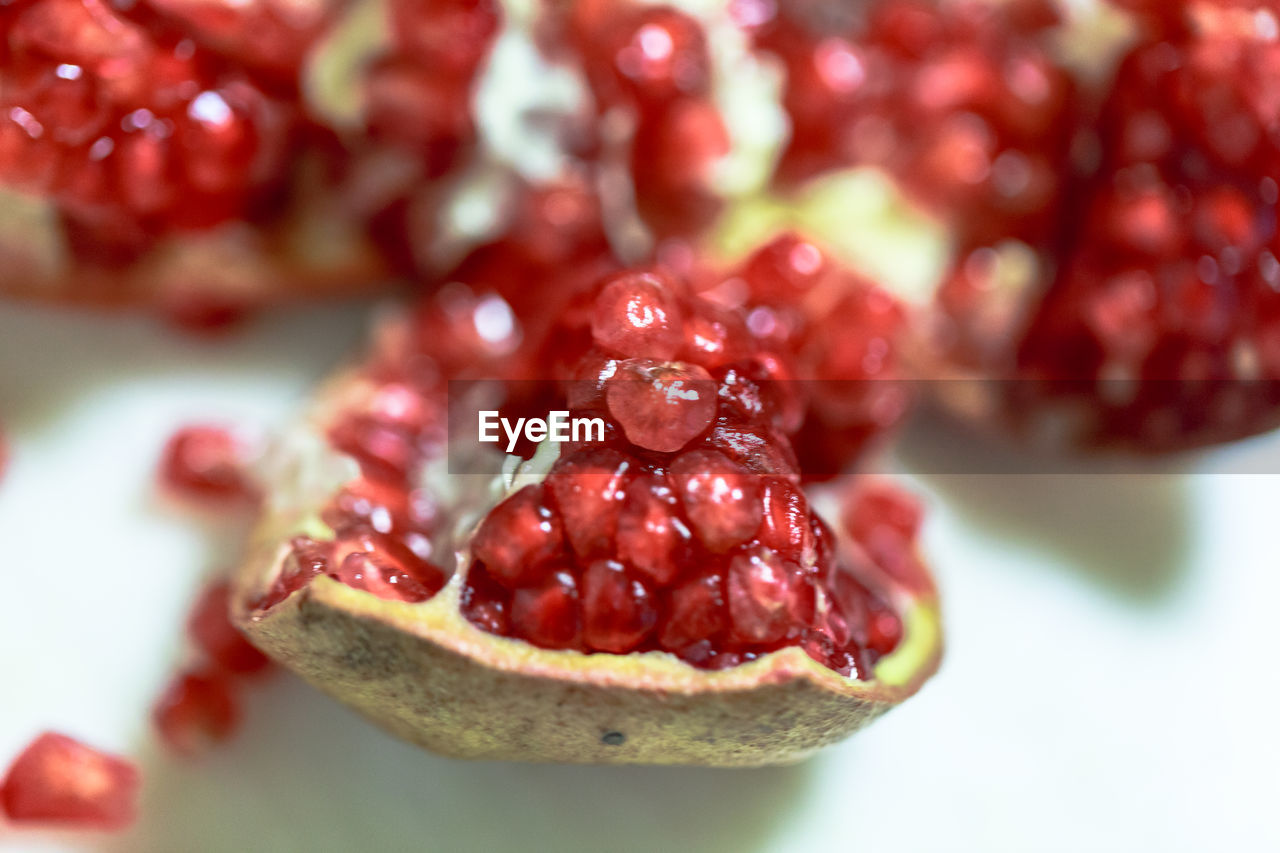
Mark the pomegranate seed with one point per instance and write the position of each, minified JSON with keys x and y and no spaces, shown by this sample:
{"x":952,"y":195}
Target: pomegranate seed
{"x":548,"y":615}
{"x":206,"y":462}
{"x":721,"y":499}
{"x":589,"y":488}
{"x":636,"y":316}
{"x":485,"y":602}
{"x":652,"y":538}
{"x":519,"y":538}
{"x":874,"y":504}
{"x":306,"y":559}
{"x":767,"y":598}
{"x":374,"y":573}
{"x":697,"y":613}
{"x":618,"y":612}
{"x":661,"y":405}
{"x":196,"y":711}
{"x":210,"y":627}
{"x":786,"y":527}
{"x":58,"y":781}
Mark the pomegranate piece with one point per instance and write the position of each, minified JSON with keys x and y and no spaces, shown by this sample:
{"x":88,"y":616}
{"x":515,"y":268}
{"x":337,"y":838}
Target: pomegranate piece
{"x":130,"y":131}
{"x":207,"y":463}
{"x":58,"y":781}
{"x":644,"y":562}
{"x":197,"y":711}
{"x":210,"y":628}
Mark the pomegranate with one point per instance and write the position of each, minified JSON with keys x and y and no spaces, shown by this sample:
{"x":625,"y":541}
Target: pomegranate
{"x":663,"y":592}
{"x":1150,"y":321}
{"x":963,"y":103}
{"x":162,"y":152}
{"x":60,"y":782}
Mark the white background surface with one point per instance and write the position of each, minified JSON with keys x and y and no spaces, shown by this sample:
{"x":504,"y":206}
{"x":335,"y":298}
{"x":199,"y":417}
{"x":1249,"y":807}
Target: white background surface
{"x":1111,"y":681}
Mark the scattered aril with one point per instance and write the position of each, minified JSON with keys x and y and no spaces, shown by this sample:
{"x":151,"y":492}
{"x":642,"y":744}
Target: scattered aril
{"x":197,"y":711}
{"x":58,"y":782}
{"x":209,"y":464}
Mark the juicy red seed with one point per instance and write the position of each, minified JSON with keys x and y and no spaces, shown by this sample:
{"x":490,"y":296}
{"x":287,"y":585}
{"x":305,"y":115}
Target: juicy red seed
{"x":392,"y":557}
{"x":768,"y":598}
{"x":210,"y":627}
{"x":875,"y":504}
{"x":636,"y":316}
{"x":306,"y":559}
{"x":519,"y":537}
{"x":884,"y":629}
{"x":714,"y":337}
{"x":618,"y":611}
{"x":485,"y":602}
{"x":589,"y":488}
{"x":206,"y":462}
{"x":652,"y":538}
{"x":721,"y":499}
{"x":196,"y":711}
{"x":661,"y":405}
{"x":375,"y":573}
{"x":785,"y":269}
{"x":58,"y":781}
{"x":697,"y":613}
{"x":665,"y":55}
{"x":548,"y":615}
{"x":786,"y":527}
{"x":384,"y":507}
{"x":385,"y":451}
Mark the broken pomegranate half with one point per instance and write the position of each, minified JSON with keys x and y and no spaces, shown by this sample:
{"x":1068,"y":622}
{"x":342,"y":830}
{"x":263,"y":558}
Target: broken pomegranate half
{"x":660,"y":591}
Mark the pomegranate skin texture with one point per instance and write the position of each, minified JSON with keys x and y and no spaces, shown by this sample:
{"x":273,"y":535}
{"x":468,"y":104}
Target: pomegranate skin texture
{"x":425,"y":674}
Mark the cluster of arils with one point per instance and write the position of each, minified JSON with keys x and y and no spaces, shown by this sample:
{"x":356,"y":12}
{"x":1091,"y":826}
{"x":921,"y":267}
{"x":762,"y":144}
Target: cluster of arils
{"x":173,"y":154}
{"x":1116,"y":241}
{"x":682,"y":527}
{"x":649,"y":71}
{"x":961,"y":102}
{"x":1168,"y":286}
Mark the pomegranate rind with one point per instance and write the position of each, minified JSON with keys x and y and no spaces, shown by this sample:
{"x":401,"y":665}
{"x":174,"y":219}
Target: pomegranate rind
{"x":425,"y":674}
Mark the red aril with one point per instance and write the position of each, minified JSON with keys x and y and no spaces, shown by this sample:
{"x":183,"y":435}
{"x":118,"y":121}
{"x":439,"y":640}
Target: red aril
{"x":210,"y":628}
{"x":208,"y":463}
{"x":197,"y":711}
{"x":60,"y":782}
